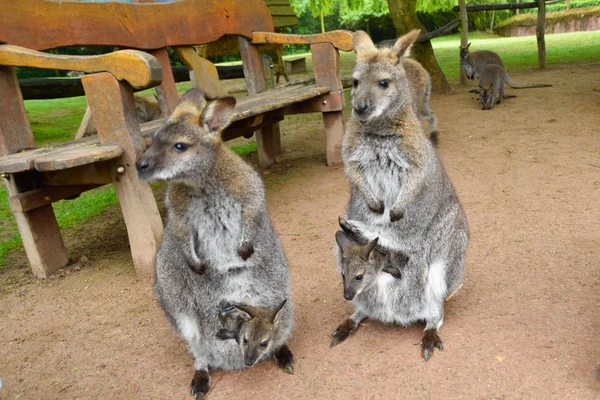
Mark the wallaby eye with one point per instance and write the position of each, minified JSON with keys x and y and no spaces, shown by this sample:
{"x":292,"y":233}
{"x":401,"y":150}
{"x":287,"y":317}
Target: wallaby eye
{"x":359,"y":277}
{"x":384,"y":83}
{"x":263,"y":345}
{"x":181,"y":147}
{"x":356,"y":83}
{"x":245,"y":340}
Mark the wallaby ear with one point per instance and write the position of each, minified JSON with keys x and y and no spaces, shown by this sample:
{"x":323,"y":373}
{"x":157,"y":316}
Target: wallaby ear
{"x":217,"y":115}
{"x":343,"y":241}
{"x":277,"y":315}
{"x":403,"y":44}
{"x":244,"y":311}
{"x":365,"y":252}
{"x":191,"y":104}
{"x":361,"y":42}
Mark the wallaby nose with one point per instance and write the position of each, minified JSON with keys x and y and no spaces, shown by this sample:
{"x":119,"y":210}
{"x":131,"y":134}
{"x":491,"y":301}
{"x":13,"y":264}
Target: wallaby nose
{"x":361,"y":108}
{"x":249,"y":362}
{"x":142,"y":164}
{"x":348,"y":295}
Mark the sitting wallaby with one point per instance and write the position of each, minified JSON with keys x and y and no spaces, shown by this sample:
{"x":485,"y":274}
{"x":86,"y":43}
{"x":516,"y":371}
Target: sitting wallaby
{"x":218,"y":244}
{"x":146,"y":109}
{"x":491,"y":86}
{"x":400,"y":192}
{"x":473,"y":63}
{"x":259,"y":333}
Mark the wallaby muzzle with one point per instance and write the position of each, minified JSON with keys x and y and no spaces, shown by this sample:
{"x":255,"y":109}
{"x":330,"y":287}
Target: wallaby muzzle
{"x":349,"y":294}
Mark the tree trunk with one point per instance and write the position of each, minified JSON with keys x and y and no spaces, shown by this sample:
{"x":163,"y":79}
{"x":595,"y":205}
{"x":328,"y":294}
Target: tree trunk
{"x":404,"y":16}
{"x":322,"y":22}
{"x":539,"y":32}
{"x":464,"y":35}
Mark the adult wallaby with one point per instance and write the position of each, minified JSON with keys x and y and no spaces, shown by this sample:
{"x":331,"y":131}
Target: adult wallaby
{"x":491,"y":86}
{"x":400,"y":192}
{"x":420,"y":83}
{"x":218,"y":245}
{"x":259,"y":333}
{"x":473,"y":63}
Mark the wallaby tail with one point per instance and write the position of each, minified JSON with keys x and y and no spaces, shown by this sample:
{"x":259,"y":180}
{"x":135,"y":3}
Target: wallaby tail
{"x":516,"y":85}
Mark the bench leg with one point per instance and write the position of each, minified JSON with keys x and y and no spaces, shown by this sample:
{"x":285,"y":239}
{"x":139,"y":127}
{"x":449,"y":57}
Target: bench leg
{"x":42,"y":240}
{"x":334,"y":131}
{"x":266,"y":143}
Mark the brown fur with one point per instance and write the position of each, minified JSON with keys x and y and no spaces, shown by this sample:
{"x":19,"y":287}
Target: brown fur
{"x":146,"y":109}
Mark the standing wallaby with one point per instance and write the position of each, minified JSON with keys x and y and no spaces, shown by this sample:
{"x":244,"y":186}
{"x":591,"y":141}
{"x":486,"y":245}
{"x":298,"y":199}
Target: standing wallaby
{"x":400,"y":193}
{"x":491,"y":86}
{"x":473,"y":63}
{"x":420,"y":83}
{"x":218,"y":245}
{"x":259,"y":333}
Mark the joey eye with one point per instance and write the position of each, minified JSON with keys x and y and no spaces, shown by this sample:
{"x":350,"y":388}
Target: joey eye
{"x":356,"y":83}
{"x":181,"y":147}
{"x":359,"y":277}
{"x":263,"y":345}
{"x":245,"y":340}
{"x":384,"y":83}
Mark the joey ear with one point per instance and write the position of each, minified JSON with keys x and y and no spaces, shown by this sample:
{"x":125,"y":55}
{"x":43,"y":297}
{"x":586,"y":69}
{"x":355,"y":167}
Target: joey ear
{"x":244,"y":311}
{"x":277,"y":314}
{"x":403,"y":44}
{"x":217,"y":115}
{"x":361,"y":42}
{"x":343,"y":241}
{"x":365,"y":252}
{"x":190,"y":105}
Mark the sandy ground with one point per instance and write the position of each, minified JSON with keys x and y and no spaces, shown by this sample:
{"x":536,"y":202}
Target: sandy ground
{"x":525,"y":324}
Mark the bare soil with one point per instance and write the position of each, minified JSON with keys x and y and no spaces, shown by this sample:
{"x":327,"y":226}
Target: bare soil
{"x":525,"y":324}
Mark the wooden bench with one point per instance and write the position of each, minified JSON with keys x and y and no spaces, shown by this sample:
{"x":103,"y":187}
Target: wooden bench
{"x":35,"y":178}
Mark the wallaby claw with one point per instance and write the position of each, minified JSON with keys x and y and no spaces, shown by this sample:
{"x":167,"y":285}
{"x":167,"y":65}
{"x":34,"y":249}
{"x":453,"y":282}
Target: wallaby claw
{"x":343,"y":332}
{"x":245,"y":250}
{"x":396,"y":215}
{"x":285,"y":359}
{"x":430,"y":341}
{"x":200,"y":384}
{"x":377,"y":207}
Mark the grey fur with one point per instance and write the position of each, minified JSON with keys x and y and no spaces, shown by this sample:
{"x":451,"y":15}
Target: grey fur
{"x":207,"y":223}
{"x":401,"y":195}
{"x":474,"y":63}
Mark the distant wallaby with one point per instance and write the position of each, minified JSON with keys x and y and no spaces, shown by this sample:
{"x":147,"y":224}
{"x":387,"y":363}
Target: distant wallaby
{"x":218,"y":245}
{"x":146,"y":109}
{"x":259,"y":333}
{"x":491,"y":86}
{"x":400,"y":192}
{"x":473,"y":63}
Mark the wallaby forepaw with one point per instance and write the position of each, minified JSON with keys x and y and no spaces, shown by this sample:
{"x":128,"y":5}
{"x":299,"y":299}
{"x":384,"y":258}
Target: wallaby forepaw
{"x":396,"y":215}
{"x":430,"y":341}
{"x":199,"y":267}
{"x":377,"y":207}
{"x":200,"y":384}
{"x":434,"y":137}
{"x":285,"y":359}
{"x":343,"y":332}
{"x":245,"y":250}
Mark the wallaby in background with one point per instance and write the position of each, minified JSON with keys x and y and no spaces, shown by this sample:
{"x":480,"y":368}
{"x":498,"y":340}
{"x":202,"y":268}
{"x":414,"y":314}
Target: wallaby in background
{"x":259,"y":334}
{"x":218,"y":244}
{"x":474,"y":63}
{"x":491,"y":86}
{"x":146,"y":109}
{"x":400,"y":193}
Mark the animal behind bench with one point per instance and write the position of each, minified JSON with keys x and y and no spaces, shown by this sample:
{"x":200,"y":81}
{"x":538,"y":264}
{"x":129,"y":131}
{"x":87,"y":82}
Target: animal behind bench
{"x":218,"y":246}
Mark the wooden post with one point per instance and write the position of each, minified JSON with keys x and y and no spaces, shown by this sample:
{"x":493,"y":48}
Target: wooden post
{"x":267,"y":63}
{"x":255,"y":81}
{"x":113,"y":111}
{"x":38,"y":228}
{"x":464,"y":35}
{"x":326,"y":65}
{"x":166,"y":91}
{"x":517,"y":10}
{"x":539,"y":32}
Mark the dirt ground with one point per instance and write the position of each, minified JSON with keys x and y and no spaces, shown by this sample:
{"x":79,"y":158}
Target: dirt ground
{"x":525,"y":324}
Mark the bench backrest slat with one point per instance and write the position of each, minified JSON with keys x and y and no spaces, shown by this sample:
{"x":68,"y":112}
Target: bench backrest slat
{"x":42,"y":25}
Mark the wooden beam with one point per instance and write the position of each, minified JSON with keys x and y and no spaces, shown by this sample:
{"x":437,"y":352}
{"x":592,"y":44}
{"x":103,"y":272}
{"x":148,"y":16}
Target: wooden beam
{"x":539,"y":33}
{"x":339,"y":39}
{"x":510,"y":6}
{"x":33,"y":199}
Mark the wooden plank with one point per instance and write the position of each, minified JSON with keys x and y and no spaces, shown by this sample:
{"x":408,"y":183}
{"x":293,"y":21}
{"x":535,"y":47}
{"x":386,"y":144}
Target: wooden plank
{"x":339,"y":39}
{"x":326,"y":65}
{"x":75,"y":157}
{"x":90,"y":174}
{"x":113,"y":111}
{"x":166,"y":91}
{"x":504,"y":6}
{"x":140,"y":69}
{"x":33,"y":199}
{"x":326,"y":103}
{"x":141,"y":26}
{"x":15,"y":130}
{"x":205,"y":72}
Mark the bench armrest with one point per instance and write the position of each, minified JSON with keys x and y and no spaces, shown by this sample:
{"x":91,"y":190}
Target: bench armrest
{"x":340,"y":39}
{"x":140,"y":69}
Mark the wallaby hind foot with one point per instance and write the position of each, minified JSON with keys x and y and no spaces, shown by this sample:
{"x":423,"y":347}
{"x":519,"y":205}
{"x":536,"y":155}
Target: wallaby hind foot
{"x":430,"y":341}
{"x":343,"y":332}
{"x":284,"y":359}
{"x":200,"y":384}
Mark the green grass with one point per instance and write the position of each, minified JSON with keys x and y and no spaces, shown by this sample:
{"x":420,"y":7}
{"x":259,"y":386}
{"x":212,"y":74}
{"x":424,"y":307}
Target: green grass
{"x":57,"y":120}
